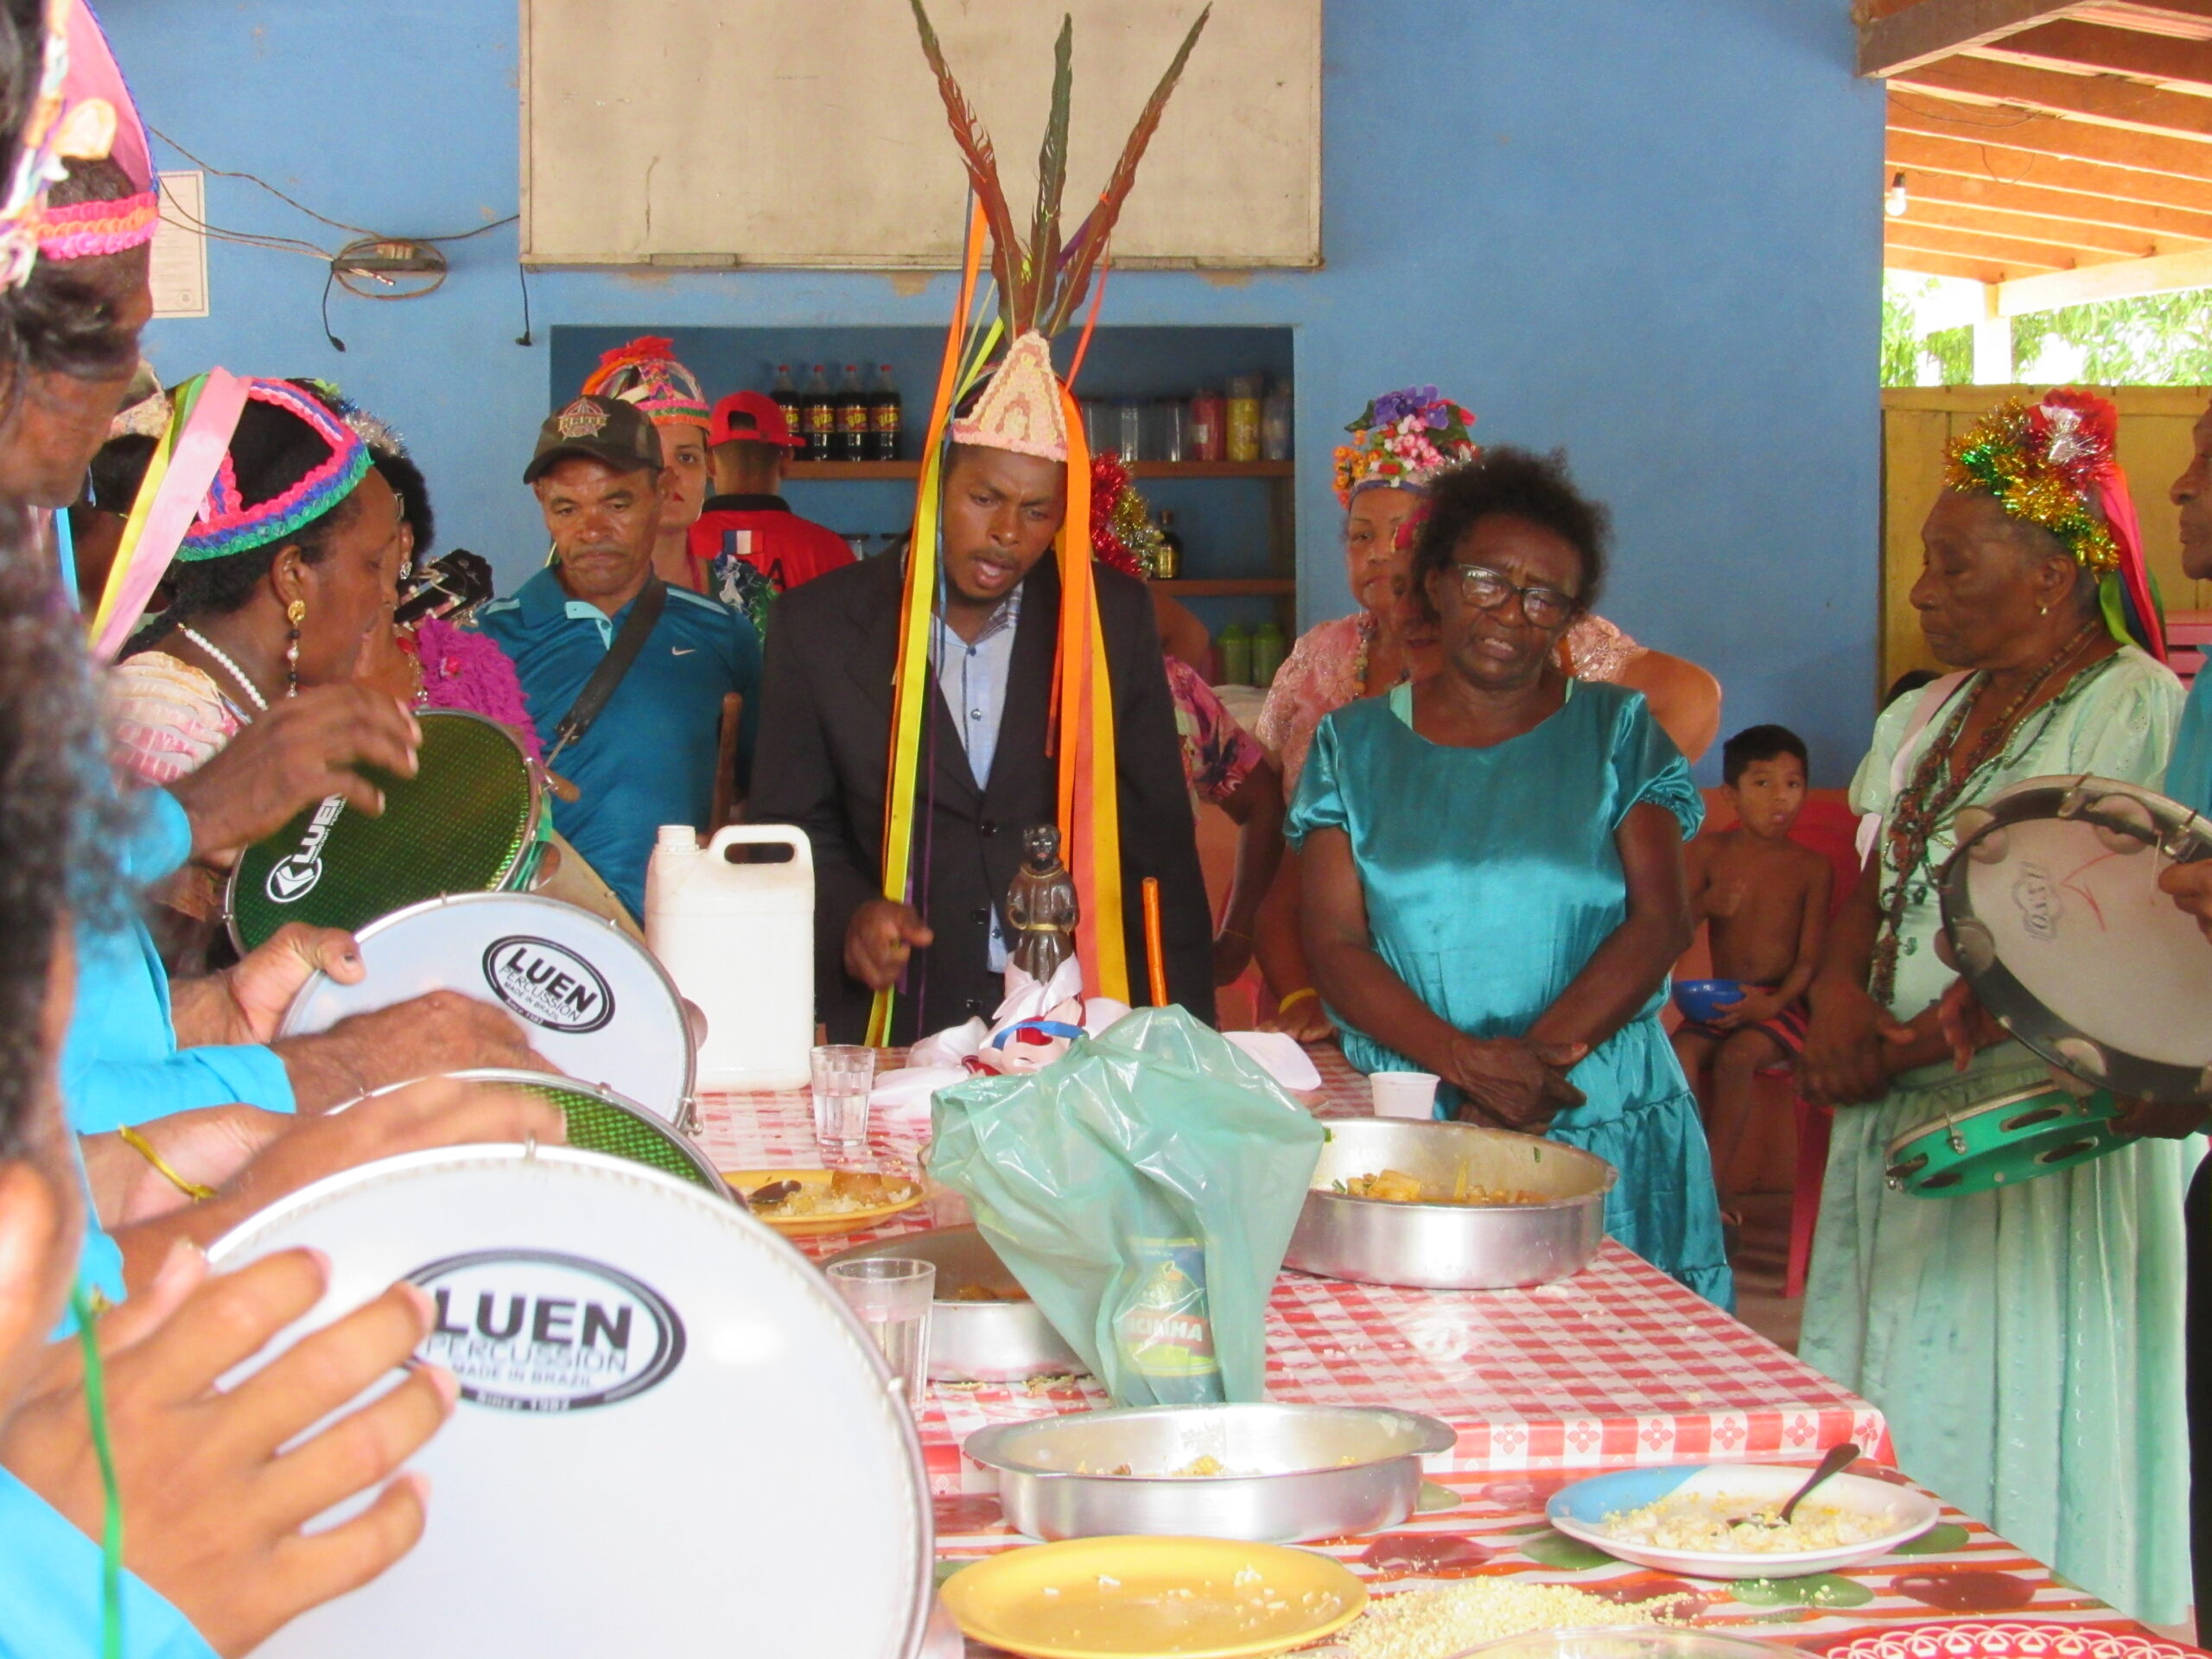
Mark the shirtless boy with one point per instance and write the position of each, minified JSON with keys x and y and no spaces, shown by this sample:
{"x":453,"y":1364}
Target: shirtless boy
{"x":1766,"y":899}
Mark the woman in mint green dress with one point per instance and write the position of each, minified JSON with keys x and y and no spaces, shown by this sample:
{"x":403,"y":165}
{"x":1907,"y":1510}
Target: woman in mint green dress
{"x":2025,"y":1344}
{"x":1493,"y":885}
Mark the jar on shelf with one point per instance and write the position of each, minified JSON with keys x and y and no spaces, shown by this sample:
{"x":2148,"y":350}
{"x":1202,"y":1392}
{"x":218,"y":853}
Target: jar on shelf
{"x":1209,"y":418}
{"x":1275,"y":423}
{"x":1171,"y":430}
{"x":1267,"y":647}
{"x":1235,"y":648}
{"x":1128,"y":432}
{"x":1242,"y":441}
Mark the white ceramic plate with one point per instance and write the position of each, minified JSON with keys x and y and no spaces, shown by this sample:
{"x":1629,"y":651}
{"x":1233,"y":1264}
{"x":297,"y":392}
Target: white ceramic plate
{"x":1579,"y":1511}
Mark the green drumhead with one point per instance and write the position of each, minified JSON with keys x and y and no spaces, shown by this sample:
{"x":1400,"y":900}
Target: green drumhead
{"x":467,"y":822}
{"x":2003,"y":1143}
{"x":597,"y":1125}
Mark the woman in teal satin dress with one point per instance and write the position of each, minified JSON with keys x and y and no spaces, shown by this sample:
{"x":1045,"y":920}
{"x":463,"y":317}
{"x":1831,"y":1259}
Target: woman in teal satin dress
{"x":1493,"y":876}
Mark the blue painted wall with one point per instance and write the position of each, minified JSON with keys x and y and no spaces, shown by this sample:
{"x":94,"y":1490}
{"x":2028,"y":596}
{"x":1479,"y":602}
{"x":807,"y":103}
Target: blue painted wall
{"x":1645,"y":230}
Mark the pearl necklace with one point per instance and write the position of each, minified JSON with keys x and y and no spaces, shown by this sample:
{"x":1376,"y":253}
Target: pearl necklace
{"x":260,"y":702}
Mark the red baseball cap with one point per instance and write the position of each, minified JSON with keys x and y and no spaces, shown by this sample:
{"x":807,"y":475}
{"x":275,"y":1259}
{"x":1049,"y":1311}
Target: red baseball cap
{"x":749,"y":417}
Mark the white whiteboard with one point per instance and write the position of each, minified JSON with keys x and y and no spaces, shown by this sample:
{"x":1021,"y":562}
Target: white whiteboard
{"x":809,"y":132}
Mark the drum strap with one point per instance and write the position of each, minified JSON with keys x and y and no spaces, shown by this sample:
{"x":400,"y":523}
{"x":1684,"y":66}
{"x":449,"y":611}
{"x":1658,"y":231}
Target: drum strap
{"x":629,"y":641}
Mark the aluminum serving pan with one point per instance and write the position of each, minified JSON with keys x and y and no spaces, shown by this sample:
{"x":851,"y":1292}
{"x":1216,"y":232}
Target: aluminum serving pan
{"x":971,"y":1341}
{"x":1294,"y":1472}
{"x":1450,"y":1246}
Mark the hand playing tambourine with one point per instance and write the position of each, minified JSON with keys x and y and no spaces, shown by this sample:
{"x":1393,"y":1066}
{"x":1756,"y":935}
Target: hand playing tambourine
{"x":1967,"y":1027}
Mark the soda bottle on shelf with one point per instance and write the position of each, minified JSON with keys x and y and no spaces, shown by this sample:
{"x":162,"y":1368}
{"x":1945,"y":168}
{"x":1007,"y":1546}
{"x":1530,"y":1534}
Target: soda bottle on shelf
{"x":1170,"y":559}
{"x":784,"y":396}
{"x":854,"y":415}
{"x":883,"y":417}
{"x":1243,"y":434}
{"x":818,"y":415}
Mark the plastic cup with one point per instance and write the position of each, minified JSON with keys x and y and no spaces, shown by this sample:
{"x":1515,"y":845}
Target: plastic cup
{"x":844,"y":1075}
{"x":891,"y":1294}
{"x":1403,"y":1094}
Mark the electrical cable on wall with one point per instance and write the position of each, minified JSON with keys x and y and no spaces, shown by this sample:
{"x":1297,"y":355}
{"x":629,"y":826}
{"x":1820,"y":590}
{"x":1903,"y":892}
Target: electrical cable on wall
{"x":374,"y":266}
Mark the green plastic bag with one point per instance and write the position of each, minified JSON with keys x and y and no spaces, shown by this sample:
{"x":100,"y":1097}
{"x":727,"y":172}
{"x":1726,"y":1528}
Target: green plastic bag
{"x":1143,"y":1188}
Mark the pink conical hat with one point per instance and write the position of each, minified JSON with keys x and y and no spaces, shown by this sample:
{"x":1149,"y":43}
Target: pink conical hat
{"x":1019,"y":409}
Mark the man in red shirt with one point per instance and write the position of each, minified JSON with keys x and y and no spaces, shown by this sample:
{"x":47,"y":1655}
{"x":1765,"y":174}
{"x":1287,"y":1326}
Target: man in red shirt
{"x":746,"y":521}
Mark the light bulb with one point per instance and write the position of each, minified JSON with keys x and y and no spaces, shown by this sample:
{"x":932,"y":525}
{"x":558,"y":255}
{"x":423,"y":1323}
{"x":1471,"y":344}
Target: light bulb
{"x":1894,"y":199}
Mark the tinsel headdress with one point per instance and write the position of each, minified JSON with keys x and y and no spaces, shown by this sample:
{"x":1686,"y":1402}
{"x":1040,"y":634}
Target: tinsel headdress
{"x":2055,"y":464}
{"x":1039,"y":280}
{"x":1403,"y":440}
{"x":645,"y":371}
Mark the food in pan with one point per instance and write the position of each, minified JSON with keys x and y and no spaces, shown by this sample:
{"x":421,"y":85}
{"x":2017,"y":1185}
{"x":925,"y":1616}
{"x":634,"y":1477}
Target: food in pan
{"x":846,"y":1193}
{"x":987,"y":1293}
{"x":1441,"y":1624}
{"x":1719,"y":1524}
{"x":1395,"y":1187}
{"x":1198,"y":1468}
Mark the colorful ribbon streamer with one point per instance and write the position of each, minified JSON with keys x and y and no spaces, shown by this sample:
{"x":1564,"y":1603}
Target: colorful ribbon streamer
{"x":169,"y":498}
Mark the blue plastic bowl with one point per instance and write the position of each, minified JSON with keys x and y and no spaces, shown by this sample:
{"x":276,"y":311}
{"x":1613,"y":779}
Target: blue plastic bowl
{"x":1701,"y":999}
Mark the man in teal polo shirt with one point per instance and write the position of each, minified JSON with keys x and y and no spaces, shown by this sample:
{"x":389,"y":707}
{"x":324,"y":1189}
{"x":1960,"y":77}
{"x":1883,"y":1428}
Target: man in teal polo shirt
{"x":650,"y":757}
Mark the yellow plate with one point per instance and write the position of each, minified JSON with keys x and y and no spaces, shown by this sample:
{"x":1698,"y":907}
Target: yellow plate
{"x":1118,"y":1598}
{"x":749,"y":1180}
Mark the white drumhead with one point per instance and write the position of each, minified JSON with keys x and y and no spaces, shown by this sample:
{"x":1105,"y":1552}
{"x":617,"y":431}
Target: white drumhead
{"x":591,"y":999}
{"x":2086,"y":932}
{"x":686,"y":1448}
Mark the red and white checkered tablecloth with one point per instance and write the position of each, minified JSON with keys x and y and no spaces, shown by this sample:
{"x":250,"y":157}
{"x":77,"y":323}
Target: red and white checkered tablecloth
{"x":1617,"y":1366}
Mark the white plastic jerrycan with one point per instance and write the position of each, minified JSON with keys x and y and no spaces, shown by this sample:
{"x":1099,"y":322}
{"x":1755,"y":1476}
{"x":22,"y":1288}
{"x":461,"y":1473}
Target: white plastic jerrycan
{"x":738,"y":939}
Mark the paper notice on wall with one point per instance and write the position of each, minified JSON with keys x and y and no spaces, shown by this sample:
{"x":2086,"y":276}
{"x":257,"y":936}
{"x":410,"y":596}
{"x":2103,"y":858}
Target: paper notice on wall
{"x":179,"y":252}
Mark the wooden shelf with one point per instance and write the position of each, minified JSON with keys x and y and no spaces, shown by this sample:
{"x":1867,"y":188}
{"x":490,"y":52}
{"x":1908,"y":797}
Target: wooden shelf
{"x":1236,"y":588}
{"x":860,"y":471}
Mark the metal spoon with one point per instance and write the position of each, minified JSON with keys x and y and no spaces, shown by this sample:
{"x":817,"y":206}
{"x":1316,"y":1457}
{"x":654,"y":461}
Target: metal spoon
{"x":1838,"y":1458}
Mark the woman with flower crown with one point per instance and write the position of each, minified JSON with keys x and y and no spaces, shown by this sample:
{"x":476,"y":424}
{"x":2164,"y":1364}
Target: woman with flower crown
{"x":2024,"y":1343}
{"x":1399,"y":444}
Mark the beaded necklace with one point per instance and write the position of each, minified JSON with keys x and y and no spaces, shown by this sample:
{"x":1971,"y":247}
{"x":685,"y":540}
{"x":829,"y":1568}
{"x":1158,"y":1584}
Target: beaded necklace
{"x":215,"y":652}
{"x":1368,"y":629}
{"x":1926,"y":803}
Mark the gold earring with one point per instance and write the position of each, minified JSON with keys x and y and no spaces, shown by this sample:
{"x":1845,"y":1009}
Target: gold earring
{"x":2042,"y":610}
{"x":295,"y":612}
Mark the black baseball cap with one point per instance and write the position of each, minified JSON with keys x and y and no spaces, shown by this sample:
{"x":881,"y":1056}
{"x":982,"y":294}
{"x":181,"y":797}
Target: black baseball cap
{"x":605,"y":428}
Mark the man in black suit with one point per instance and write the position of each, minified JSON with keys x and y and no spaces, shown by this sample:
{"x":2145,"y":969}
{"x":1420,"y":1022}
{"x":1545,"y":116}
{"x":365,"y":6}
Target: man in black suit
{"x":825,"y":726}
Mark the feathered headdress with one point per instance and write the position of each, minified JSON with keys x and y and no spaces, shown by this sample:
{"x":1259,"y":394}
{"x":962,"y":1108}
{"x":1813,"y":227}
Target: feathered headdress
{"x":1403,"y":440}
{"x":645,"y":371}
{"x":2056,"y":464}
{"x":1040,"y":280}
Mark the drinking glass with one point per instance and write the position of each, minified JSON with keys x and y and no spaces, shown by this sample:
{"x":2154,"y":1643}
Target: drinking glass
{"x":892,"y":1295}
{"x":845,"y":1075}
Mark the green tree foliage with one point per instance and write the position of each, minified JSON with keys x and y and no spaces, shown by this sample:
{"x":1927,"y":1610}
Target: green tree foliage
{"x":2155,"y":340}
{"x":1948,"y":350}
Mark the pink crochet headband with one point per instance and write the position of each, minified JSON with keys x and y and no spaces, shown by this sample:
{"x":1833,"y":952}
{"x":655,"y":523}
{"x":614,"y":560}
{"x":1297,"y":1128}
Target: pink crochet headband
{"x":227,"y":523}
{"x":84,"y":228}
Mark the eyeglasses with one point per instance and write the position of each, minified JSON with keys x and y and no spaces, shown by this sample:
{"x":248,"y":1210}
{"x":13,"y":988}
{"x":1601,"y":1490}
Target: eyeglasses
{"x":1488,"y":590}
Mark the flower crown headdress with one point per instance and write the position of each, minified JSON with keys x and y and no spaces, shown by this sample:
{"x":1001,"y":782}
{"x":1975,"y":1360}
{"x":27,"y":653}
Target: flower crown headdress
{"x":645,"y":371}
{"x":226,"y":523}
{"x":1403,"y":440}
{"x":2055,"y":464}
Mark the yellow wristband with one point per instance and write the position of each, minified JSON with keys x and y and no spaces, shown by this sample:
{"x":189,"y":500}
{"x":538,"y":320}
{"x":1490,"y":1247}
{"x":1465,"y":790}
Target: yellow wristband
{"x":139,"y":1144}
{"x":1299,"y":994}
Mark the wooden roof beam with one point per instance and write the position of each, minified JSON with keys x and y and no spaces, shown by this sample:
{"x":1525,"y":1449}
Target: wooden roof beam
{"x":1922,"y":157}
{"x":2068,"y":207}
{"x":2108,"y":100}
{"x":1919,"y":260}
{"x":1975,"y":244}
{"x":2120,"y":280}
{"x":1929,"y":29}
{"x":2158,"y":58}
{"x":2084,"y":140}
{"x":2118,"y":242}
